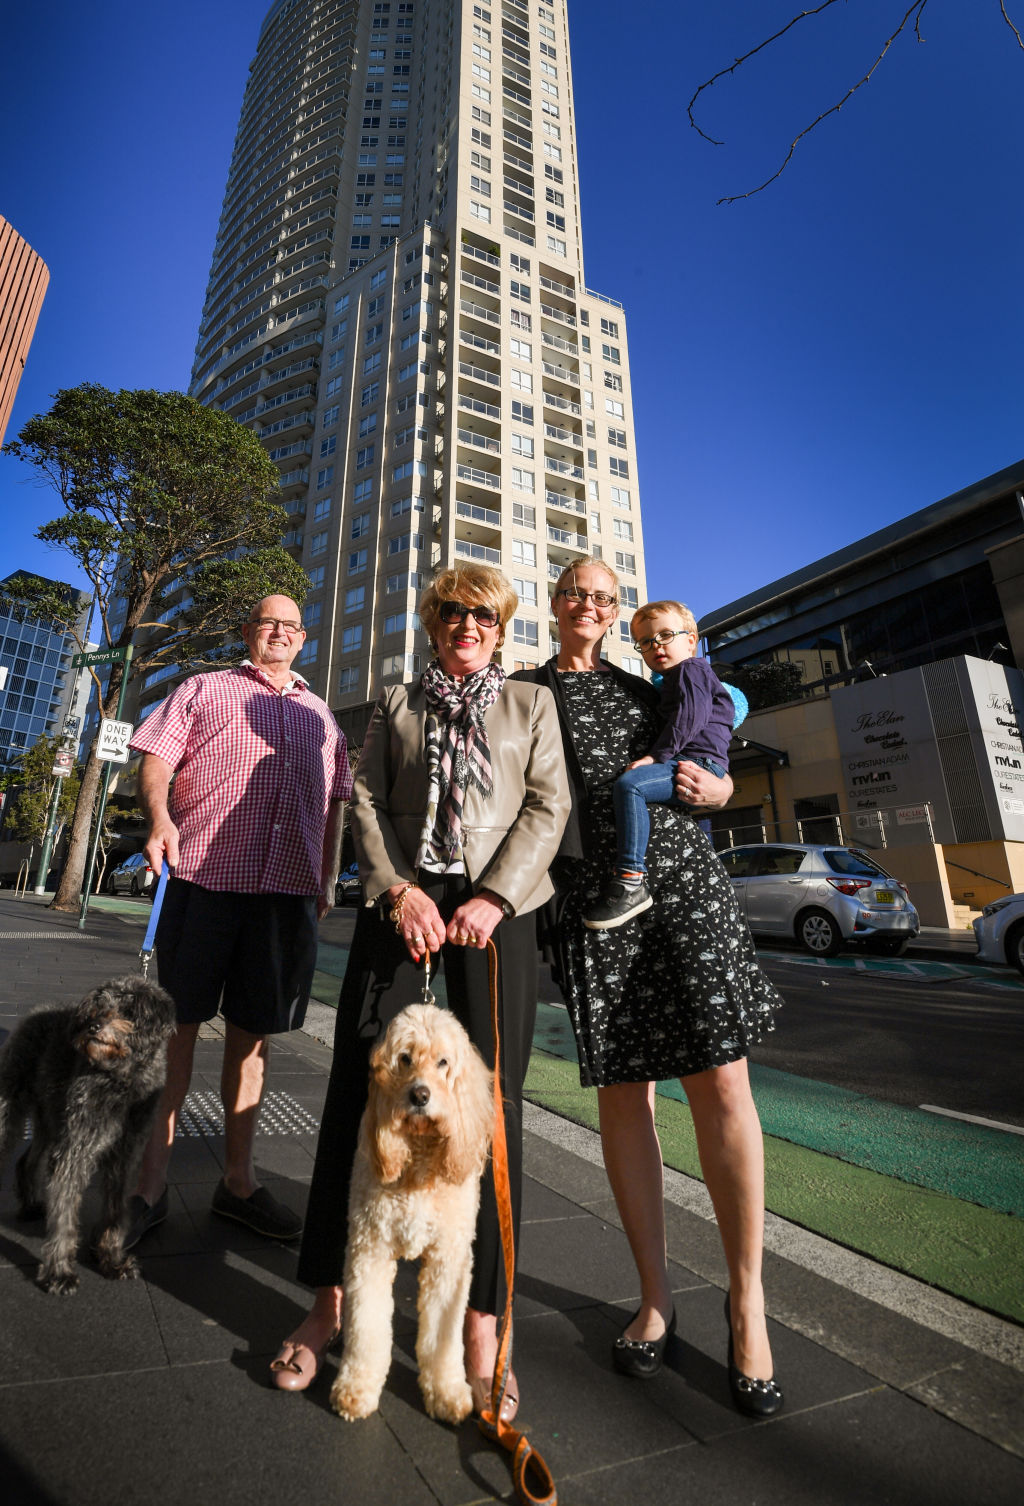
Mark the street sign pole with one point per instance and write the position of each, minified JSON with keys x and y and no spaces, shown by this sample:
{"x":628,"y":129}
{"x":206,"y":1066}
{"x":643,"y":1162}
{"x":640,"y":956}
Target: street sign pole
{"x":51,"y":824}
{"x":126,"y":654}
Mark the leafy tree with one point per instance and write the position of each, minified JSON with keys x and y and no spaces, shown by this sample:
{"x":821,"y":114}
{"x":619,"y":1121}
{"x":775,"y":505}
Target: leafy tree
{"x":31,"y":783}
{"x":768,"y":684}
{"x":909,"y":22}
{"x":159,"y":495}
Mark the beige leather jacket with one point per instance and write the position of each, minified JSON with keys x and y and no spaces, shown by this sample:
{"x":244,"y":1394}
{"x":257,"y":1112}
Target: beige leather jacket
{"x":509,"y":840}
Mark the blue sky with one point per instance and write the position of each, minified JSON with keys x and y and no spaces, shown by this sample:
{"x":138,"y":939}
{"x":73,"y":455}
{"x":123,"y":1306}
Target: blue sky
{"x":808,"y":365}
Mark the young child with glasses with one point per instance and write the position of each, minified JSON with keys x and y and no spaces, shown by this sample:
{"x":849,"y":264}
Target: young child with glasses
{"x":699,"y":714}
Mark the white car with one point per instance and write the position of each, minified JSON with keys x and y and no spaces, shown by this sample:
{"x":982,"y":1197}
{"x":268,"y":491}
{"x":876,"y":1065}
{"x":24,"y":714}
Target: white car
{"x":1000,"y":932}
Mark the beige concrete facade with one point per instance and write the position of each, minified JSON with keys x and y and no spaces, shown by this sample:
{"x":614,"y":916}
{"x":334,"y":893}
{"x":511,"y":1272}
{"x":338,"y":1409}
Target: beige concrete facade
{"x":24,"y":278}
{"x":398,"y":306}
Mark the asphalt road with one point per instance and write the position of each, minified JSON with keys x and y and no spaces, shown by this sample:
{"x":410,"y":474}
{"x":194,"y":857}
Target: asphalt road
{"x":952,"y":1043}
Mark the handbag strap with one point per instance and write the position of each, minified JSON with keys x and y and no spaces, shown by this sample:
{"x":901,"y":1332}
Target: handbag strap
{"x":533,"y":1481}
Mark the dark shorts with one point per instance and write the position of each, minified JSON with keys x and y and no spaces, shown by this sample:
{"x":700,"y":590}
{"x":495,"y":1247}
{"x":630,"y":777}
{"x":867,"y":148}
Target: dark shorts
{"x":250,"y":955}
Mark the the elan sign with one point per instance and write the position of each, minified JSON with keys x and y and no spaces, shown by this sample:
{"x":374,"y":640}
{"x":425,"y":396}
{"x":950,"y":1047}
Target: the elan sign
{"x":946,"y":736}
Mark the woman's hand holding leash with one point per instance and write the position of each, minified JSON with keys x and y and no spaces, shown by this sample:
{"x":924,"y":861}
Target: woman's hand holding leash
{"x":416,"y":919}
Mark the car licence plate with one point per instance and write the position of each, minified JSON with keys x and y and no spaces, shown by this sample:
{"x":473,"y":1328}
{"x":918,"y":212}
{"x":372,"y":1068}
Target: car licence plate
{"x":884,"y":897}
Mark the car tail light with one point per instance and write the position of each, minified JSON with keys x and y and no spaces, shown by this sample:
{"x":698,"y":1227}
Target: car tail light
{"x":849,"y":885}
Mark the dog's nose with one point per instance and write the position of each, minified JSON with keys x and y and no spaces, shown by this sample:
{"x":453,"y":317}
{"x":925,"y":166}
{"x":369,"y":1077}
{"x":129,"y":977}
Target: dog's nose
{"x":419,"y":1094}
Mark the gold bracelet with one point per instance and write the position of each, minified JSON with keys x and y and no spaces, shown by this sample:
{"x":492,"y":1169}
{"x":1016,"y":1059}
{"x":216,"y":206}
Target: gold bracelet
{"x":399,"y":906}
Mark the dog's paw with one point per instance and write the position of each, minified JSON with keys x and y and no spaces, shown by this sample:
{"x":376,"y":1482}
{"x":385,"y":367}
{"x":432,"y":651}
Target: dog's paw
{"x":450,"y":1403}
{"x":125,"y":1269}
{"x":58,"y":1283}
{"x":351,"y":1402}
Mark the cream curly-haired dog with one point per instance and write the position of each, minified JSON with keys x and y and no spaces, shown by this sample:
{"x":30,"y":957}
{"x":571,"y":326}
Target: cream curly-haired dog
{"x":423,"y":1145}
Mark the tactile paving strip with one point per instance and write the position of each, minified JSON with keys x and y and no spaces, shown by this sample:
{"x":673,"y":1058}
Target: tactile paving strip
{"x":280,"y":1114}
{"x":42,"y":936}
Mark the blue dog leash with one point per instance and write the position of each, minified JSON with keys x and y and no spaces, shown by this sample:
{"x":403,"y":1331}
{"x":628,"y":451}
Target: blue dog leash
{"x":154,"y":918}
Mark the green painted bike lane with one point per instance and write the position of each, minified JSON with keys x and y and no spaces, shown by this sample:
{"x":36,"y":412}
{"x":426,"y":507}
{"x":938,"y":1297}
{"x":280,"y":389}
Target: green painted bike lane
{"x":939,"y":1199}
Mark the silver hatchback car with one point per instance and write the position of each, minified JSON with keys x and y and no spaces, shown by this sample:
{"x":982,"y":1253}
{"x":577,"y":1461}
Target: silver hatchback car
{"x":823,"y":896}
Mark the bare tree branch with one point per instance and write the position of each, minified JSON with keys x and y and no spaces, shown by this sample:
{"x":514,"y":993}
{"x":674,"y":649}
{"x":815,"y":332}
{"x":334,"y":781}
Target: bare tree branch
{"x":759,"y":48}
{"x":1002,"y":7}
{"x":915,"y":10}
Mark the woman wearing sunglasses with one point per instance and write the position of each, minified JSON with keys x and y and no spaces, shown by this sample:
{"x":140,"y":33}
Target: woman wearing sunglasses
{"x":459,"y":803}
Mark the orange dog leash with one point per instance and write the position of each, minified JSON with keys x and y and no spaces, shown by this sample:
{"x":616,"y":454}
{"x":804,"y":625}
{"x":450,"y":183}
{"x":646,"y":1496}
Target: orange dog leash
{"x":533,"y":1481}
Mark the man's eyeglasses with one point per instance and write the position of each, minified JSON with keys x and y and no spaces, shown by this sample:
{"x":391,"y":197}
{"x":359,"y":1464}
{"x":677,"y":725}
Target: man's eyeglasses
{"x":268,"y":624}
{"x":457,"y":611}
{"x":599,"y":598}
{"x":658,"y":640}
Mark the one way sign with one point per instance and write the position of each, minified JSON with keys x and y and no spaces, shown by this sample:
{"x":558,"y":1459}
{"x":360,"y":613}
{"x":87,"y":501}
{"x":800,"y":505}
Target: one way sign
{"x":113,"y":741}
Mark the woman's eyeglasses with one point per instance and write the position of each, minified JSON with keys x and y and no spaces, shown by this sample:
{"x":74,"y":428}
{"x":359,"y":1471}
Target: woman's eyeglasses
{"x":599,"y":598}
{"x":658,"y":640}
{"x":457,"y":611}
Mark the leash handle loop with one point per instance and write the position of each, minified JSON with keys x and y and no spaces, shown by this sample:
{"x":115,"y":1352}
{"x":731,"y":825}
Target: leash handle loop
{"x":154,"y":918}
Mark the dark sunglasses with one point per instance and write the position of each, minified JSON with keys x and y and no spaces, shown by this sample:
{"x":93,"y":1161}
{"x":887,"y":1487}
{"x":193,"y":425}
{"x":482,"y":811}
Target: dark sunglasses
{"x":456,"y":611}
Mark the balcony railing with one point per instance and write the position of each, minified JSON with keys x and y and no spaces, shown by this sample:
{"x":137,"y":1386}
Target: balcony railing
{"x":561,"y":373}
{"x":485,"y":515}
{"x":557,"y":287}
{"x":564,"y":403}
{"x":478,"y":341}
{"x":550,"y":312}
{"x":468,"y":250}
{"x":478,"y":374}
{"x":482,"y":283}
{"x":566,"y":539}
{"x":478,"y":477}
{"x":558,"y":343}
{"x":488,"y":410}
{"x":477,"y":552}
{"x":480,"y":441}
{"x":524,"y":214}
{"x":565,"y":436}
{"x":563,"y":468}
{"x":478,"y":311}
{"x":567,"y":504}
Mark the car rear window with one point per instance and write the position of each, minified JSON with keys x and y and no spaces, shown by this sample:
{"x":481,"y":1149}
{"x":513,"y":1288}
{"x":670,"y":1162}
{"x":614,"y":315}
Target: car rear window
{"x":846,"y":860}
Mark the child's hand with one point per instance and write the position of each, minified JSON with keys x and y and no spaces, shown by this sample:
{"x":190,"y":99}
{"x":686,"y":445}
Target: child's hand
{"x":638,"y":763}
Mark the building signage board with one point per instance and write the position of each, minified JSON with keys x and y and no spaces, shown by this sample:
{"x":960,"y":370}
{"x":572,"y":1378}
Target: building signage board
{"x":890,"y":761}
{"x":947,"y":735}
{"x":998,"y":695}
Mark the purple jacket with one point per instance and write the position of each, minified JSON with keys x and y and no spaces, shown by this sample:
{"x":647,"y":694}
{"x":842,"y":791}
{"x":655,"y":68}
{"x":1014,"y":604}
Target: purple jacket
{"x":698,"y":712}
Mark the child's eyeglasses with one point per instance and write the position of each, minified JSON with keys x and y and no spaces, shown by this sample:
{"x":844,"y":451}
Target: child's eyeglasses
{"x":457,"y":611}
{"x":660,"y":639}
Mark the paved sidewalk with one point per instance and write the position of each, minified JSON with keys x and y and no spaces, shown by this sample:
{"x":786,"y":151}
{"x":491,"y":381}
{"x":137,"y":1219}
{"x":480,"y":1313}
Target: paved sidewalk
{"x":155,"y":1391}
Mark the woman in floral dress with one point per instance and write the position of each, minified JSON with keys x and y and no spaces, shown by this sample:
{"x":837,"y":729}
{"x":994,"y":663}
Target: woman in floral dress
{"x":678,"y":992}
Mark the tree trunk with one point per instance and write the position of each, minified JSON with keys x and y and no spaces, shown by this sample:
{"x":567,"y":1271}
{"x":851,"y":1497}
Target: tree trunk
{"x":69,"y":892}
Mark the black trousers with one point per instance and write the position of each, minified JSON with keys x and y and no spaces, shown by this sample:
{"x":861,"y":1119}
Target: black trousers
{"x":380,"y":980}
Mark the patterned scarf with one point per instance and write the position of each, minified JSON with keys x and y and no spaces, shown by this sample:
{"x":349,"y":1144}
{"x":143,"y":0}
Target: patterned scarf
{"x":457,"y":752}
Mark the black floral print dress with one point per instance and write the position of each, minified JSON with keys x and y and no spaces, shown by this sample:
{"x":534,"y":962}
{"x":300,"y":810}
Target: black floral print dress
{"x":679,"y":989}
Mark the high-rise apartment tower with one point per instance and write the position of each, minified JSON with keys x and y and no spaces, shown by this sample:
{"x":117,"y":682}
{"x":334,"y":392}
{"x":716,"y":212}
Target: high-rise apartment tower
{"x":397,"y":305}
{"x":23,"y":281}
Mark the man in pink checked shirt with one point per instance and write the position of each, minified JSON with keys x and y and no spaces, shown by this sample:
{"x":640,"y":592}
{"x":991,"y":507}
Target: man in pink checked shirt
{"x":251,"y":829}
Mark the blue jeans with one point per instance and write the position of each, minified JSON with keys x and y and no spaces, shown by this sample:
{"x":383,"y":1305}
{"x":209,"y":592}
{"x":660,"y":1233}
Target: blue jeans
{"x":633,"y":791}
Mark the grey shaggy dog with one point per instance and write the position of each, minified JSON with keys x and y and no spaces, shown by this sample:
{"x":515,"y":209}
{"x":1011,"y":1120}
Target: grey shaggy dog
{"x":89,"y":1077}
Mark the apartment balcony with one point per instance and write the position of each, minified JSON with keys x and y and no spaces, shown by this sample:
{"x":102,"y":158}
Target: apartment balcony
{"x":476,"y":477}
{"x":571,"y":437}
{"x":474,"y":405}
{"x":285,"y":399}
{"x":479,"y":311}
{"x":561,"y":374}
{"x":565,"y":503}
{"x":295,"y":477}
{"x":466,"y":249}
{"x":564,"y":404}
{"x":517,"y":185}
{"x":555,"y":342}
{"x":563,"y":468}
{"x":477,"y":525}
{"x":479,"y":441}
{"x":484,"y":284}
{"x":297,"y":421}
{"x":550,"y":312}
{"x":481,"y":374}
{"x":478,"y":342}
{"x":513,"y":136}
{"x":465,"y":550}
{"x":511,"y":207}
{"x":563,"y":544}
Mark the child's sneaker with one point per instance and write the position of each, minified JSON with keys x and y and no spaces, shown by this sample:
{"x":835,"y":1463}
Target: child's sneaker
{"x":619,"y":903}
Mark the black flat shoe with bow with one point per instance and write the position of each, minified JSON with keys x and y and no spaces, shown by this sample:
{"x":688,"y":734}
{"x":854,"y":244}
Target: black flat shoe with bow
{"x":642,"y":1358}
{"x":754,"y":1398}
